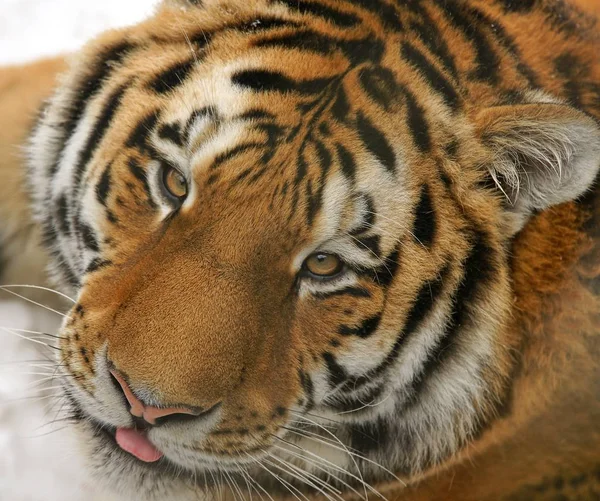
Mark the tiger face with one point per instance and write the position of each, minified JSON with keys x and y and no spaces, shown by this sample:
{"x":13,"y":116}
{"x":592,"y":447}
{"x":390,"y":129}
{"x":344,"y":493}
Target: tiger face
{"x":287,"y":232}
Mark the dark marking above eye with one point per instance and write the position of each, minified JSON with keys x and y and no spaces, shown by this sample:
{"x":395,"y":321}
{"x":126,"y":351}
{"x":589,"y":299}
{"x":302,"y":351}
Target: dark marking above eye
{"x":371,"y":244}
{"x":376,"y":142}
{"x":171,"y":132}
{"x":368,"y":218}
{"x":173,"y":77}
{"x":425,"y":224}
{"x":139,"y":136}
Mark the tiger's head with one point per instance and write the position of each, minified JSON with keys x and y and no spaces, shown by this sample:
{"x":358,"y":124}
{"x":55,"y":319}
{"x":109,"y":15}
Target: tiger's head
{"x":287,"y":232}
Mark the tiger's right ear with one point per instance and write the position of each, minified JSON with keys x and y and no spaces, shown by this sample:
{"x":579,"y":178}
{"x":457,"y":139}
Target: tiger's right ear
{"x":543,"y":154}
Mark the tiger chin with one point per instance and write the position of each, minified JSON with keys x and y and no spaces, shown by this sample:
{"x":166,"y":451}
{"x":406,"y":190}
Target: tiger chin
{"x":321,"y":249}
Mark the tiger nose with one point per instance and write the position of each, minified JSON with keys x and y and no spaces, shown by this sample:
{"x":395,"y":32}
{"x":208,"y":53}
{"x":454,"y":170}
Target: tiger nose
{"x":151,"y":414}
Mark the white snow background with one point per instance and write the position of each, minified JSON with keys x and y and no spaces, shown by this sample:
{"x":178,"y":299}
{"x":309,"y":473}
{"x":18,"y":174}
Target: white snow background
{"x":38,"y":461}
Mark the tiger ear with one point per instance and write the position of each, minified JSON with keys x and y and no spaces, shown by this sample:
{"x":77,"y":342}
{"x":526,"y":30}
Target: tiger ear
{"x":543,"y":154}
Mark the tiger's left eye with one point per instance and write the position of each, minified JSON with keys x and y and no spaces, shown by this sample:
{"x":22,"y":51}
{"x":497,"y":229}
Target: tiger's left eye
{"x":323,"y":265}
{"x":175,"y":183}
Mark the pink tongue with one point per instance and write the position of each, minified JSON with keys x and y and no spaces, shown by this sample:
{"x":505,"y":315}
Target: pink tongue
{"x":138,"y":445}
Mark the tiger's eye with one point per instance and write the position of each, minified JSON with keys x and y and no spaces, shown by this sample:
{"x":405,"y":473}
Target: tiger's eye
{"x":324,"y":265}
{"x":175,"y":183}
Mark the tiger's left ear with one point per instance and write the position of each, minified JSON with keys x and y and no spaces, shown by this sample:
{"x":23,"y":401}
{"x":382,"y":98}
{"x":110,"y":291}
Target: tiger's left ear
{"x":543,"y":154}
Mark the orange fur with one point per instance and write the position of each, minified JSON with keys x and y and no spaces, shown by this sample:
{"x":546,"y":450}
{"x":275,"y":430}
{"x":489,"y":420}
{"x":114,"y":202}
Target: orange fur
{"x":199,"y":309}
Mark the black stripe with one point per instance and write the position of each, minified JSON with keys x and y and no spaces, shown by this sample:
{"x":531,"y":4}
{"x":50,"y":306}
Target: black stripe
{"x":386,"y":13}
{"x":369,"y":437}
{"x":172,"y":78}
{"x":417,"y":124}
{"x":347,"y":163}
{"x":68,"y":274}
{"x":366,"y":50}
{"x":97,"y":264}
{"x":139,"y":137}
{"x":171,"y":132}
{"x":88,"y":237}
{"x":479,"y":269}
{"x":304,"y":40}
{"x":103,"y":186}
{"x":236,"y":151}
{"x":431,"y":37}
{"x":425,"y":224}
{"x":262,"y":24}
{"x":368,"y":217}
{"x":519,"y":6}
{"x":385,"y":274}
{"x":488,"y":61}
{"x":376,"y":142}
{"x":424,"y":302}
{"x":308,"y":387}
{"x":206,"y":112}
{"x":343,"y":19}
{"x":266,"y":80}
{"x":102,"y":124}
{"x":366,"y":329}
{"x":380,"y":84}
{"x":101,"y":67}
{"x":340,"y":109}
{"x":372,"y":244}
{"x":140,"y":174}
{"x":497,"y":32}
{"x":315,"y":199}
{"x":434,"y":78}
{"x":365,"y":402}
{"x":337,"y":374}
{"x":62,"y":215}
{"x":346,"y":291}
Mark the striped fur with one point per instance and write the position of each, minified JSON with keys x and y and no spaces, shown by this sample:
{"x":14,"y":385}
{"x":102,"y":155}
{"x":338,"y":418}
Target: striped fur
{"x":414,"y":139}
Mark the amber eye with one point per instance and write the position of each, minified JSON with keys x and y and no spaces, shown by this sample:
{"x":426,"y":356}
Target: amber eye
{"x":323,"y":265}
{"x":175,"y":183}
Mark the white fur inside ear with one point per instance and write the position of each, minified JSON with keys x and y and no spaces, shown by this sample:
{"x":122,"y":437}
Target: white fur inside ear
{"x":547,"y":155}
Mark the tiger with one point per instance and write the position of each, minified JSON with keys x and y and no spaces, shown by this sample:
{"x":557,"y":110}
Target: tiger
{"x":320,"y":249}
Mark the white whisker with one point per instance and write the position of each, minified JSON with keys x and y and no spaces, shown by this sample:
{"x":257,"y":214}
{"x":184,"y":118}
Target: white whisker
{"x":39,"y":288}
{"x":34,"y":302}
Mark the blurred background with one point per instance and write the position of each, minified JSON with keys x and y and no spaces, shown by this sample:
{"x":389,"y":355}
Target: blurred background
{"x":38,"y":457}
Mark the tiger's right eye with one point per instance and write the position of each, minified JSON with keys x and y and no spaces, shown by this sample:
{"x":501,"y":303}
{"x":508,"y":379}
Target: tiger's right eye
{"x":174,"y":183}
